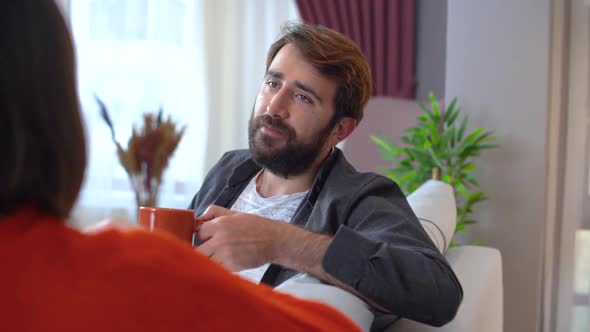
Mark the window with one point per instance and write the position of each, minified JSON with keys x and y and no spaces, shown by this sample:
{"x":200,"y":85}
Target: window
{"x":202,"y":60}
{"x":138,"y":55}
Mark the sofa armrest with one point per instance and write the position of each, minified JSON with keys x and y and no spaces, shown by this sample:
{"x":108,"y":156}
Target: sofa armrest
{"x":479,"y":270}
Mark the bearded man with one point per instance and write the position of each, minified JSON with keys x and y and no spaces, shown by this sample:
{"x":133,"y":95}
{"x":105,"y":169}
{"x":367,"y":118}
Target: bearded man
{"x":291,"y":206}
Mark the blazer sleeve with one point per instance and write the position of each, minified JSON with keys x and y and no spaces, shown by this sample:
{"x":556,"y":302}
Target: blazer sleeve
{"x":384,"y":253}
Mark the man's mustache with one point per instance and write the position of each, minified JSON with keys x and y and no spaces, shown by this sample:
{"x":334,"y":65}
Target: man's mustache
{"x":275,"y":123}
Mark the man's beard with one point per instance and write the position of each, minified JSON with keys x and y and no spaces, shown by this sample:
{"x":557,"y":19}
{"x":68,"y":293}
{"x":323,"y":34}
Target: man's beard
{"x":294,"y":157}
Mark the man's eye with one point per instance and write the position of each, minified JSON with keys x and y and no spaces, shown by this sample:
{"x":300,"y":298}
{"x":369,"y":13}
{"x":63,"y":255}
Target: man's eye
{"x":304,"y":99}
{"x":271,"y":84}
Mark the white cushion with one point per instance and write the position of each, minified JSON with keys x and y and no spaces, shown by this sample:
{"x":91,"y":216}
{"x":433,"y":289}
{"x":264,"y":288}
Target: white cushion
{"x":434,"y":205}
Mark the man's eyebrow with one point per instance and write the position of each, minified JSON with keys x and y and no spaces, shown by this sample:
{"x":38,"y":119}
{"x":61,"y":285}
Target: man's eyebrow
{"x":308,"y":89}
{"x":298,"y":84}
{"x":275,"y":74}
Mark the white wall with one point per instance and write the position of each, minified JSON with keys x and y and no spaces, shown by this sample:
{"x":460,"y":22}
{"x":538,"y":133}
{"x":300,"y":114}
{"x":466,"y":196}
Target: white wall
{"x":497,"y":63}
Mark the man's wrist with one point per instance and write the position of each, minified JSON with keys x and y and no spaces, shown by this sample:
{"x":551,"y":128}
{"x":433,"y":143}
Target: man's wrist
{"x":300,"y":249}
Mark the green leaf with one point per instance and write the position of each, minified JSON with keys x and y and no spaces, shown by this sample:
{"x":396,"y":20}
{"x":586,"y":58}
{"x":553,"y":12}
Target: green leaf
{"x":435,"y":158}
{"x":475,"y":197}
{"x":453,"y":137}
{"x":461,"y":189}
{"x":382,"y":144}
{"x":406,"y":140}
{"x":398,"y":151}
{"x":462,"y":128}
{"x":487,"y":146}
{"x":469,"y":147}
{"x":411,"y":130}
{"x":445,"y":138}
{"x":484,"y":137}
{"x":450,"y":111}
{"x":426,"y":111}
{"x":451,"y":121}
{"x":406,"y":163}
{"x":460,"y":228}
{"x":467,"y":180}
{"x":468,"y":167}
{"x":435,"y":107}
{"x":471,"y":181}
{"x":473,"y":135}
{"x":408,"y":176}
{"x":433,"y":133}
{"x":394,"y":178}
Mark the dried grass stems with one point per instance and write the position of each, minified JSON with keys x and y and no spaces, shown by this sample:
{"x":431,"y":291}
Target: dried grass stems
{"x":148,"y":151}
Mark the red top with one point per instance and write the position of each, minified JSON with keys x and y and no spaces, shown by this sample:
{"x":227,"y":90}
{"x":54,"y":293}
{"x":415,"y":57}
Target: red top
{"x":54,"y":278}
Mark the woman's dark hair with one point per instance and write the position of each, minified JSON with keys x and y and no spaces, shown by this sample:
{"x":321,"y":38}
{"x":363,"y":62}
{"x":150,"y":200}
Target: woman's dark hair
{"x":41,"y":133}
{"x":335,"y":56}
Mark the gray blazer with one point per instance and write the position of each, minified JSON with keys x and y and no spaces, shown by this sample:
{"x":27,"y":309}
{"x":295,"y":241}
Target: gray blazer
{"x":379,"y":248}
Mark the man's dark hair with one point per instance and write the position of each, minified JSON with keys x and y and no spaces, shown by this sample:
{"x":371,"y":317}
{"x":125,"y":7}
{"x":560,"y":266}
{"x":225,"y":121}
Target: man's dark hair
{"x":41,"y":133}
{"x":335,"y":56}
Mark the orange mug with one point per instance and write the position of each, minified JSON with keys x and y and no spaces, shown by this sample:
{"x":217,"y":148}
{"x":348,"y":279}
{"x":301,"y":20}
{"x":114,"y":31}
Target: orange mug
{"x":177,"y":222}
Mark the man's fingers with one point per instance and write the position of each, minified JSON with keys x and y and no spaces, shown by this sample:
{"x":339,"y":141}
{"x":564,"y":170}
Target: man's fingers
{"x":197,"y":226}
{"x":205,"y":230}
{"x":209,"y":249}
{"x":214,"y":211}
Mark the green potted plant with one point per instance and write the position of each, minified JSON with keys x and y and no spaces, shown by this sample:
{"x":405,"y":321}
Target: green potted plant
{"x":439,"y":147}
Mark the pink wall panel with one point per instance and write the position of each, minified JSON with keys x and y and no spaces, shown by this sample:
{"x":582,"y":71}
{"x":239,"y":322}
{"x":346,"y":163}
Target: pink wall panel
{"x":383,"y":116}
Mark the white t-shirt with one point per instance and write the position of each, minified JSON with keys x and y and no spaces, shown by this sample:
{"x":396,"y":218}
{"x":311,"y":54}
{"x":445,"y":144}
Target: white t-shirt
{"x":279,"y":208}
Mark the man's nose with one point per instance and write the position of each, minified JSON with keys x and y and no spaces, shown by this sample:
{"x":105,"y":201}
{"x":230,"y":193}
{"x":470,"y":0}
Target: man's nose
{"x":278,"y":106}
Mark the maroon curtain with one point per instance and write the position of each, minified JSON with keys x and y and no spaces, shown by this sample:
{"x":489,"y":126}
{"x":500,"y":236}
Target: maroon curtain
{"x":384,"y":30}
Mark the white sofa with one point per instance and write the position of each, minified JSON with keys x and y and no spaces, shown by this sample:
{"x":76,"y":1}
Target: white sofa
{"x":480,"y":271}
{"x":478,"y":268}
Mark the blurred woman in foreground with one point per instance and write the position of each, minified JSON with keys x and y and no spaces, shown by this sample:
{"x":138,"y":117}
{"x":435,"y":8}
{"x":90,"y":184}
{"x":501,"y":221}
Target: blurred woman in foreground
{"x":57,"y":279}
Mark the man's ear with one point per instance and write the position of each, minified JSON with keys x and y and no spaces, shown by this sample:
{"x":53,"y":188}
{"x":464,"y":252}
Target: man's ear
{"x":343,"y":129}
